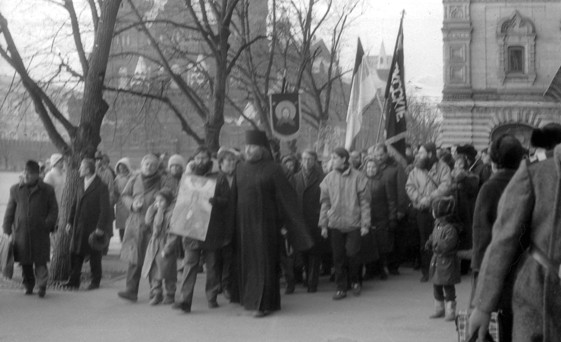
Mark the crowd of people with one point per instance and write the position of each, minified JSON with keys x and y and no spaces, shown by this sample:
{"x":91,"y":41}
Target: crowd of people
{"x":356,"y":216}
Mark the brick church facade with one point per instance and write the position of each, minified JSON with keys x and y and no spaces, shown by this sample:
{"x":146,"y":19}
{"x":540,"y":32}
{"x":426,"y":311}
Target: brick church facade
{"x":500,"y":57}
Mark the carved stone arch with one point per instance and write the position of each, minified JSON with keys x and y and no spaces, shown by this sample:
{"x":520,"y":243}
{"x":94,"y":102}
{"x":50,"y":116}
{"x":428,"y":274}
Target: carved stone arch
{"x":517,"y":31}
{"x":516,"y":121}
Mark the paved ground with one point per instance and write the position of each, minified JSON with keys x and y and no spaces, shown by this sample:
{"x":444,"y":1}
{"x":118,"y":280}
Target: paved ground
{"x":394,"y":310}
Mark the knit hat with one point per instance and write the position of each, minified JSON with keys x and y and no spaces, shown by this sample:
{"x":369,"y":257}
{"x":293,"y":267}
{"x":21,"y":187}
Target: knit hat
{"x":546,"y":137}
{"x":342,"y":153}
{"x":150,"y":156}
{"x":176,"y":159}
{"x":31,"y":166}
{"x":443,"y":206}
{"x":55,"y":158}
{"x":224,"y":151}
{"x":256,"y":137}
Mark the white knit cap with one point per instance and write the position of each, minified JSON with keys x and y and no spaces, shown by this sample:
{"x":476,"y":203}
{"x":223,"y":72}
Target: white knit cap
{"x":176,"y":159}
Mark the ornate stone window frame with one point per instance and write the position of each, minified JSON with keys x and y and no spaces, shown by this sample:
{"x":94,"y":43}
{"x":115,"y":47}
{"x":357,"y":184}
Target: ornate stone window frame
{"x":517,"y":30}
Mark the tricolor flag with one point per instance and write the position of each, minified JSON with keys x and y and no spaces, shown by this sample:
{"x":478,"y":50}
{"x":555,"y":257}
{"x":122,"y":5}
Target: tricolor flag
{"x":363,"y":91}
{"x":396,"y":101}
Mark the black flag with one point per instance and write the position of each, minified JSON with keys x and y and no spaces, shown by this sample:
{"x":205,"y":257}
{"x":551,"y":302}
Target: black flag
{"x":396,"y":100}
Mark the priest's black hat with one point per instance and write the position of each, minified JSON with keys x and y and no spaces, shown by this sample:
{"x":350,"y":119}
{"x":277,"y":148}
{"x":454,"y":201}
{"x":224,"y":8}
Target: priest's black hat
{"x":256,"y":137}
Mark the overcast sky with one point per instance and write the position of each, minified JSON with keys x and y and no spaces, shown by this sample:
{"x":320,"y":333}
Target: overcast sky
{"x":378,"y":22}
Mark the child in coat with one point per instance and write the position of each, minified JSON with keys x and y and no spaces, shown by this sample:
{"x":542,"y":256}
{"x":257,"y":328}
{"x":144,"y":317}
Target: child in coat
{"x":161,"y":271}
{"x":445,"y":264}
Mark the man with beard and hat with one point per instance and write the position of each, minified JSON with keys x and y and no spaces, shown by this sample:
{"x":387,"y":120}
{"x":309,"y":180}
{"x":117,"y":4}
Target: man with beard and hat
{"x":30,"y":217}
{"x":428,"y":180}
{"x":265,"y":202}
{"x":139,"y":193}
{"x":216,"y":237}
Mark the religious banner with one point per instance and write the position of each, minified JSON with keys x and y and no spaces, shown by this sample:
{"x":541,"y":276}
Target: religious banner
{"x":285,"y":115}
{"x":191,"y":214}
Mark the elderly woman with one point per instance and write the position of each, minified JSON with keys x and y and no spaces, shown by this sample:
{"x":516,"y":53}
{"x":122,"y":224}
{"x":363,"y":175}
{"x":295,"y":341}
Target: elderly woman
{"x":138,"y":195}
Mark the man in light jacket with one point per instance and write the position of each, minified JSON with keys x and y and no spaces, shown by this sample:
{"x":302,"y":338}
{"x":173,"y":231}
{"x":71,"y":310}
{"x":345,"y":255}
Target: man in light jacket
{"x":345,"y":211}
{"x":428,"y":180}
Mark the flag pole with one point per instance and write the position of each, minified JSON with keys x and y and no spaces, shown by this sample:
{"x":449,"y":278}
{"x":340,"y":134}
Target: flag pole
{"x":382,"y":114}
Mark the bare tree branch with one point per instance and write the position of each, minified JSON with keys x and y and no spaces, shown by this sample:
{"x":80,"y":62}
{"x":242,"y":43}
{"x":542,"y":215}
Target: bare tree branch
{"x":69,"y":6}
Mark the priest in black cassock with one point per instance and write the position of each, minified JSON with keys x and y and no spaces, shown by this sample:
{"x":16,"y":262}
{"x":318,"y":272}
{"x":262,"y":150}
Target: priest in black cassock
{"x":265,"y":202}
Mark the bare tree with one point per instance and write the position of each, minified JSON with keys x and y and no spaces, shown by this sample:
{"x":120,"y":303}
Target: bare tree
{"x":296,"y":58}
{"x":424,"y":120}
{"x":191,"y":46}
{"x":82,"y":139}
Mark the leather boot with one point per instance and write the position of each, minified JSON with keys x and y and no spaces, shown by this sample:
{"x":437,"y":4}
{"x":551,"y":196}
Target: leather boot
{"x":438,"y":309}
{"x":450,"y":311}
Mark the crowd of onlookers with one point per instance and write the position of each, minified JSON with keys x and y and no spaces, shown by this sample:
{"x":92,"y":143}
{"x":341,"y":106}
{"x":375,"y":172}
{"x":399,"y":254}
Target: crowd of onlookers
{"x":354,"y":217}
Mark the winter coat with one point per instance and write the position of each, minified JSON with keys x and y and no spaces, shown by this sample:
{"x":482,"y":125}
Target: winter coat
{"x":528,"y":215}
{"x":423,"y":184}
{"x":485,"y":213}
{"x":445,"y":264}
{"x":265,"y":202}
{"x":121,"y":211}
{"x":172,"y":183}
{"x":31,"y":214}
{"x":56,"y":179}
{"x":160,"y":235}
{"x":90,"y":211}
{"x":383,"y":213}
{"x":136,"y":225}
{"x":465,"y":186}
{"x":394,"y":173}
{"x":108,"y":177}
{"x":308,"y":194}
{"x":345,"y":201}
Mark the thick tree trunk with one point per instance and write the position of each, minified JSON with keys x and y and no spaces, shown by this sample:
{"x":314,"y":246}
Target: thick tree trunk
{"x":84,"y":143}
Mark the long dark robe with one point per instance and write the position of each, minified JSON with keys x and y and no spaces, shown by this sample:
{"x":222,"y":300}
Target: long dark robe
{"x":265,"y":202}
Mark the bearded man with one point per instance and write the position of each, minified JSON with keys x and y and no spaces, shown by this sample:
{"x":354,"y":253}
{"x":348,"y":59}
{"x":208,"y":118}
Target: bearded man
{"x":265,"y":202}
{"x":428,"y":180}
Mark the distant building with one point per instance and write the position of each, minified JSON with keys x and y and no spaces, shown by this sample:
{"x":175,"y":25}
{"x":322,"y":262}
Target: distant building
{"x":499,"y":59}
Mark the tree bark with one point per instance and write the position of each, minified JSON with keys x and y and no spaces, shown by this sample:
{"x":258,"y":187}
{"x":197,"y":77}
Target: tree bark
{"x":87,"y":138}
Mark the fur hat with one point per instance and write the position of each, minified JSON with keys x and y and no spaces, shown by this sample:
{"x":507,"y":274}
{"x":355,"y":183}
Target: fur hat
{"x":55,"y":158}
{"x":468,"y":150}
{"x":176,"y":159}
{"x":430,"y":147}
{"x":256,"y":137}
{"x":546,"y":137}
{"x":443,"y":206}
{"x":98,"y":242}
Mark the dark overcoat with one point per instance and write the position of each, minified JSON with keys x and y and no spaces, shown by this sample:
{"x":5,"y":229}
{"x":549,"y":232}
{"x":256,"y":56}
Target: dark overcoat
{"x":222,"y":216}
{"x":445,"y":264}
{"x":486,"y":212}
{"x":465,"y":188}
{"x":383,"y":209}
{"x":308,"y":193}
{"x":31,"y":215}
{"x":528,"y":215}
{"x":90,"y":210}
{"x":265,"y":202}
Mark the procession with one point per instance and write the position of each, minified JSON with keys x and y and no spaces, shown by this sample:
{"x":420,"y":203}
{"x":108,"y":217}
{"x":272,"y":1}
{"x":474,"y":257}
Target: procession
{"x":226,"y":141}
